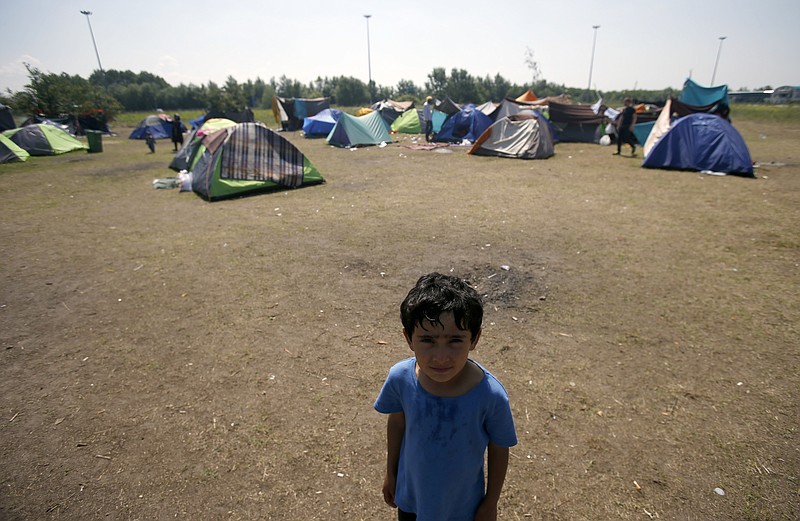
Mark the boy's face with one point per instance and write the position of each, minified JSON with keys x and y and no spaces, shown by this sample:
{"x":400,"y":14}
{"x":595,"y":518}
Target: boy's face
{"x":441,"y":349}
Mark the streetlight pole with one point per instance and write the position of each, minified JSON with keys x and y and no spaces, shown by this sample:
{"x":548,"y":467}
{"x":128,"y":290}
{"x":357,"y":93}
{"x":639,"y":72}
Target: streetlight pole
{"x":719,"y":51}
{"x":369,"y":60}
{"x":88,"y":13}
{"x":591,"y":63}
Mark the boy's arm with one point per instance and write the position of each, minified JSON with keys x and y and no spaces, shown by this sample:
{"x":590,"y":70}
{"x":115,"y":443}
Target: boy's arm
{"x":497,"y":464}
{"x":395,"y":428}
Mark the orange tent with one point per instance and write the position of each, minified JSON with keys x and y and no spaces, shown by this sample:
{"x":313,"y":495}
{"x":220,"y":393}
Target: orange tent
{"x":528,"y":96}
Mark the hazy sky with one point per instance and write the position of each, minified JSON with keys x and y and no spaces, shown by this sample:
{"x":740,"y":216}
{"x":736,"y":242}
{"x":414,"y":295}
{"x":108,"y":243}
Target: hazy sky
{"x":644,"y":44}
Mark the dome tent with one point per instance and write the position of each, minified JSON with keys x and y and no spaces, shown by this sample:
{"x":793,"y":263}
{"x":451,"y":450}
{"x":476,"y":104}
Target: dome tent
{"x":43,"y":140}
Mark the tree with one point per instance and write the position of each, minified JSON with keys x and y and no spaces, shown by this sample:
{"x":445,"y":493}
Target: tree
{"x":407,"y":88}
{"x":437,"y":83}
{"x":61,"y":94}
{"x":351,"y":92}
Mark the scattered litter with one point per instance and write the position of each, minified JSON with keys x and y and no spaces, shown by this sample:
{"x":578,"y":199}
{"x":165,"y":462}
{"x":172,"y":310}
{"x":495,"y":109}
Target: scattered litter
{"x":168,"y":183}
{"x":382,"y":145}
{"x":719,"y":491}
{"x":711,"y":172}
{"x":505,"y":267}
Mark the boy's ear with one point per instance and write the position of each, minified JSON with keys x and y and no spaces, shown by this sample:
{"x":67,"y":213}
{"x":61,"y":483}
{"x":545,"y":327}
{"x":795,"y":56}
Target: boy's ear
{"x":475,"y":340}
{"x":408,"y":338}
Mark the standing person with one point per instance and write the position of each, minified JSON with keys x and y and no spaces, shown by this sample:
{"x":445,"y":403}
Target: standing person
{"x":625,"y":123}
{"x":151,"y":142}
{"x":177,"y":132}
{"x":444,"y":411}
{"x":427,"y":117}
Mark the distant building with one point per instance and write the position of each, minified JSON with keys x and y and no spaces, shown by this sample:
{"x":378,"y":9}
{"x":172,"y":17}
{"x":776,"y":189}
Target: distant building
{"x":785,"y":94}
{"x":749,"y":97}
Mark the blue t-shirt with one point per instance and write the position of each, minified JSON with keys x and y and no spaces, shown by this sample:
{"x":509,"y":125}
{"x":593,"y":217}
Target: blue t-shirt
{"x":440,"y":472}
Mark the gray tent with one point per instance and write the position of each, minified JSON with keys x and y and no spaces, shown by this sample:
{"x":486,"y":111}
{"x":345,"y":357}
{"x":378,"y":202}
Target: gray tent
{"x":522,"y":136}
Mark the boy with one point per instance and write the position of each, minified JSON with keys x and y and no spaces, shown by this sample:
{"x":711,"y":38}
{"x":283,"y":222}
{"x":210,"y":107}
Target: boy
{"x":151,"y":142}
{"x":444,"y":411}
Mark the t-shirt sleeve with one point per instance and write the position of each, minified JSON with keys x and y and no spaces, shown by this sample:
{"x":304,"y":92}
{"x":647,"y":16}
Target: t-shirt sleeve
{"x":500,"y":422}
{"x":389,"y":399}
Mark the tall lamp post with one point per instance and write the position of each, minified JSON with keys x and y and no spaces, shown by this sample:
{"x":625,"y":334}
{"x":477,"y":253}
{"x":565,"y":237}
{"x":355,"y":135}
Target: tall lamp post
{"x":369,"y":60}
{"x":88,"y":13}
{"x":719,"y":51}
{"x":591,"y":63}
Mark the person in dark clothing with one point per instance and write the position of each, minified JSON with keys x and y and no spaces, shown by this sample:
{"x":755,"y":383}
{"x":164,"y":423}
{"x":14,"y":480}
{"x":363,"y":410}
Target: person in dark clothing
{"x":625,"y":123}
{"x":177,"y":132}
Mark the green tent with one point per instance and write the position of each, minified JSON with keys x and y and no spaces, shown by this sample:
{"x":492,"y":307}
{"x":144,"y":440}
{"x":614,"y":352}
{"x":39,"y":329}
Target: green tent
{"x":351,"y":131}
{"x":409,"y":122}
{"x":9,"y":151}
{"x":43,"y":140}
{"x":247,"y":158}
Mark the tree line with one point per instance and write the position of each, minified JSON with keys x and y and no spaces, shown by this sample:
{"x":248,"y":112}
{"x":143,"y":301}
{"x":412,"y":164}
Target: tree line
{"x":114,"y":91}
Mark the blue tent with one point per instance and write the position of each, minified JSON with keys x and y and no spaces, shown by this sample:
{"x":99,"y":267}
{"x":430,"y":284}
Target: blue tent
{"x":468,"y":123}
{"x":701,"y":142}
{"x":159,"y":126}
{"x":321,"y":124}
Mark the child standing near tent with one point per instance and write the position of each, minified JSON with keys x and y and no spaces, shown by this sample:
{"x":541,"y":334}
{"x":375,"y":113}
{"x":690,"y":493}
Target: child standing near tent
{"x":444,"y":410}
{"x":625,"y":123}
{"x":151,"y":142}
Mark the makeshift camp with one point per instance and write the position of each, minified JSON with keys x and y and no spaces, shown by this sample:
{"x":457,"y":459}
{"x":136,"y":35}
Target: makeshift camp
{"x":160,"y":126}
{"x":467,"y":124}
{"x":351,"y":131}
{"x":321,"y":124}
{"x":43,"y":140}
{"x":701,"y":142}
{"x":448,"y":106}
{"x":10,"y":151}
{"x":577,"y":123}
{"x":6,"y":118}
{"x":524,"y":136}
{"x":291,"y":112}
{"x":488,"y":108}
{"x":247,"y":158}
{"x":410,"y":122}
{"x":185,"y":157}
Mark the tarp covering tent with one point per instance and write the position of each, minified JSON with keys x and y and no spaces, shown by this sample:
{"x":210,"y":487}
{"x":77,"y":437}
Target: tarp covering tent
{"x":159,"y":125}
{"x":185,"y":157}
{"x":10,"y":151}
{"x":576,"y":123}
{"x":467,"y":124}
{"x":523,"y":136}
{"x":291,"y":112}
{"x":6,"y":118}
{"x":321,"y":124}
{"x":509,"y":107}
{"x":247,"y":158}
{"x":701,"y":142}
{"x":488,"y":108}
{"x":695,"y":94}
{"x":43,"y":140}
{"x":351,"y":131}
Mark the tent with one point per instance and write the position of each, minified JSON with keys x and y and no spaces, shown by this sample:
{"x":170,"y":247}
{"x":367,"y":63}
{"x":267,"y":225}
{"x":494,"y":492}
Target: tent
{"x":523,"y":136}
{"x":322,"y":123}
{"x":6,"y":118}
{"x":351,"y":131}
{"x":467,"y":124}
{"x":447,"y":106}
{"x":577,"y":123}
{"x":160,"y":126}
{"x":247,"y":158}
{"x":43,"y":140}
{"x":391,"y":110}
{"x":245,"y":116}
{"x":410,"y":122}
{"x":185,"y":157}
{"x":528,"y":96}
{"x":291,"y":112}
{"x":10,"y":151}
{"x":702,"y":142}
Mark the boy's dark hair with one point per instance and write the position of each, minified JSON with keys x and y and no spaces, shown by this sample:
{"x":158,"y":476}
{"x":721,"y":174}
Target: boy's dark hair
{"x":435,"y":294}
